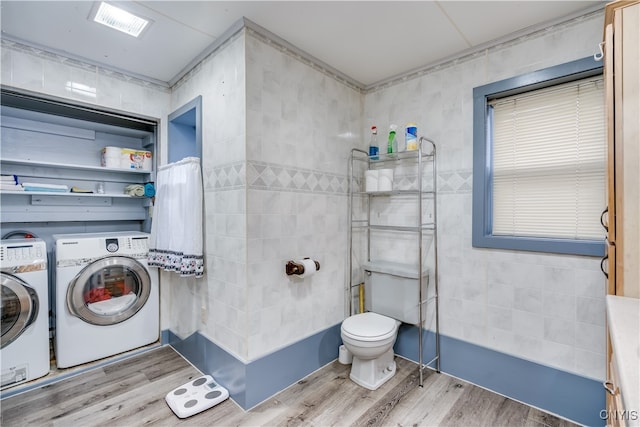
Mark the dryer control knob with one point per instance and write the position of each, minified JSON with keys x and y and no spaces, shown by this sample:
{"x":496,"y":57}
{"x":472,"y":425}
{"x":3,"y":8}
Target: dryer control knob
{"x":112,"y":247}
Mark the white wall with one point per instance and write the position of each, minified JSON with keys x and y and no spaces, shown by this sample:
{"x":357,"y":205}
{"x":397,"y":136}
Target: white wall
{"x":541,"y":307}
{"x":275,"y":148}
{"x":301,"y":125}
{"x":216,"y":305}
{"x":36,"y":70}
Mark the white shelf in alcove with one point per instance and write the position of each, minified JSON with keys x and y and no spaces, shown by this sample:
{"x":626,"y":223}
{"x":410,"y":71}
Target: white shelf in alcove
{"x":69,"y":194}
{"x":70,"y":166}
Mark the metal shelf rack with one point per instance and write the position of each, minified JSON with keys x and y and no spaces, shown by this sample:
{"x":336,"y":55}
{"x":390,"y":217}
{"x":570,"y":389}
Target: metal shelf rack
{"x":420,"y":157}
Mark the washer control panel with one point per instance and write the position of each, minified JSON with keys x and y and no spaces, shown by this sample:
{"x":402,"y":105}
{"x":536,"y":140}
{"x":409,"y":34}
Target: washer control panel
{"x":196,"y":396}
{"x":19,"y":252}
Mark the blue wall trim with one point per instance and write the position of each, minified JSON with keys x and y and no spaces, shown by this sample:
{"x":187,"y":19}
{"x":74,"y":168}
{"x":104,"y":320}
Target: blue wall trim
{"x":251,"y":383}
{"x":482,"y":234}
{"x":568,"y":395}
{"x":164,"y":337}
{"x":562,"y":393}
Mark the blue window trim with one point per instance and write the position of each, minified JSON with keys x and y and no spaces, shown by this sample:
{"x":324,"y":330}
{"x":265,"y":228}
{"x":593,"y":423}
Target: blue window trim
{"x":482,"y":236}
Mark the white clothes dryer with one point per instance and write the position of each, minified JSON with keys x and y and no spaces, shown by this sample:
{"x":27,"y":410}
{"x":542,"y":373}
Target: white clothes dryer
{"x":107,"y":298}
{"x":24,"y":348}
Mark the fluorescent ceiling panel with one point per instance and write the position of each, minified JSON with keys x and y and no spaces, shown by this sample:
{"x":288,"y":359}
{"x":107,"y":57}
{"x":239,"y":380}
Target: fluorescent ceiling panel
{"x":120,"y":19}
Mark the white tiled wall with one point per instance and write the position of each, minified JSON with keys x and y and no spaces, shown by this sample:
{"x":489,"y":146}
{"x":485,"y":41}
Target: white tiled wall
{"x":301,"y":125}
{"x":275,"y":189}
{"x":36,"y":70}
{"x":218,"y":303}
{"x":545,"y":308}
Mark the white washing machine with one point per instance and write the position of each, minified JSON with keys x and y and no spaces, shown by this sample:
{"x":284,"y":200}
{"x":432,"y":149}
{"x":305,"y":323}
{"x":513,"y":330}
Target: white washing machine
{"x":107,"y":299}
{"x":24,"y":348}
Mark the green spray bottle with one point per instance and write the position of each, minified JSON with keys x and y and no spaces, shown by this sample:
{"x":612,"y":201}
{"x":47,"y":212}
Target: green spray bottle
{"x":392,"y":146}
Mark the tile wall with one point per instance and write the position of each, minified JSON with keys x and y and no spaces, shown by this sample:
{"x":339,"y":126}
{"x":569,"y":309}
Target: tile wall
{"x":216,"y":305}
{"x":544,"y":308}
{"x":301,"y":125}
{"x":275,"y":189}
{"x":41,"y":71}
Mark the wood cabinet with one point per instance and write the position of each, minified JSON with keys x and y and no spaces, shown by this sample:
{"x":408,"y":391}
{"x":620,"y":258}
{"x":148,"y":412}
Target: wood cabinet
{"x":623,"y":364}
{"x":622,"y":77}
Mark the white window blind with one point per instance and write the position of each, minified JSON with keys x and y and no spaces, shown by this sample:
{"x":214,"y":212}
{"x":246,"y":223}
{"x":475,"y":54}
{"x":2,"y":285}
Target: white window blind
{"x":549,"y":164}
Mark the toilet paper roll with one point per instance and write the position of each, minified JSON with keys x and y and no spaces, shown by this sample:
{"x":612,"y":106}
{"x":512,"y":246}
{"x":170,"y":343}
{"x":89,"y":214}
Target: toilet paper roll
{"x":371,"y":181}
{"x":385,"y":180}
{"x":309,"y":267}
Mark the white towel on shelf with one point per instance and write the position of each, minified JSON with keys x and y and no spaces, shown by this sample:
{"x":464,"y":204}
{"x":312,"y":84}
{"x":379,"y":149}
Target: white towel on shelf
{"x":42,"y":186}
{"x":10,"y":187}
{"x":176,"y":242}
{"x":135,"y":190}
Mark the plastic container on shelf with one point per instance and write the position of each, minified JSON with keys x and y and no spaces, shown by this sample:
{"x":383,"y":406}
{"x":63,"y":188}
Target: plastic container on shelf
{"x":126,"y":158}
{"x":374,"y":149}
{"x":411,"y":137}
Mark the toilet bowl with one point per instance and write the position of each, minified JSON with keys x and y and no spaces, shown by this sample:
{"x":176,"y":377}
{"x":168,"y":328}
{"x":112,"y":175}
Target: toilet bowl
{"x":369,"y":337}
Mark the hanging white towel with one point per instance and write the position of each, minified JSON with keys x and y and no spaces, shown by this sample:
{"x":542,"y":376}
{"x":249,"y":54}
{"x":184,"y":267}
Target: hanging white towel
{"x":175,"y":243}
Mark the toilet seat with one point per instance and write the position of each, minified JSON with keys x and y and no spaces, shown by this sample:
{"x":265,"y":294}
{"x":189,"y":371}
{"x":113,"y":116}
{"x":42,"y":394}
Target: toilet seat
{"x":369,"y":327}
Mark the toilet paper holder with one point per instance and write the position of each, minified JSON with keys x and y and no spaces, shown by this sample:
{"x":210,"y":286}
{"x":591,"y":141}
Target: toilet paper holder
{"x":293,"y":267}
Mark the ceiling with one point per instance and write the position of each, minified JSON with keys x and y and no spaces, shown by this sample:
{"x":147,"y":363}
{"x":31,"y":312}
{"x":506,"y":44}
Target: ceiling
{"x":368,"y":41}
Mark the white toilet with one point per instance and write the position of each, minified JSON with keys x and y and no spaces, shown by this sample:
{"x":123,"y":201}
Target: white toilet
{"x":391,"y":293}
{"x":369,"y":337}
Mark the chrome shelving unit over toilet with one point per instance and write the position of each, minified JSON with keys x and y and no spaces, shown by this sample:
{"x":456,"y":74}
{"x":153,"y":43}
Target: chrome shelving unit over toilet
{"x":418,"y":186}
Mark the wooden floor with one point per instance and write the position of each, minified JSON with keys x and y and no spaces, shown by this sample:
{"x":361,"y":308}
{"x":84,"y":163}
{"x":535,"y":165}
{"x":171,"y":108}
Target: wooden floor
{"x":131,"y":393}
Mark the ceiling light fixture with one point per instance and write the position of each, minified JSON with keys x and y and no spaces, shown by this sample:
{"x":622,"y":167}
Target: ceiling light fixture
{"x":120,"y":19}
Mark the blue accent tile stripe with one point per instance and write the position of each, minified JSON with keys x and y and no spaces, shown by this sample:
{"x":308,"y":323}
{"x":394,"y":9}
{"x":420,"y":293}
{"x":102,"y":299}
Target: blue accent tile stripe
{"x":568,"y":395}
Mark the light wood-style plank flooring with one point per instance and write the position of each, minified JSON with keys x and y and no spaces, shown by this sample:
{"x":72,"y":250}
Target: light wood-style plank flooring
{"x":131,"y":393}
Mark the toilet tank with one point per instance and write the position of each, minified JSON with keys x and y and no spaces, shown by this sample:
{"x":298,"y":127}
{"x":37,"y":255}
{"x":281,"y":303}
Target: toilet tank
{"x":391,"y":289}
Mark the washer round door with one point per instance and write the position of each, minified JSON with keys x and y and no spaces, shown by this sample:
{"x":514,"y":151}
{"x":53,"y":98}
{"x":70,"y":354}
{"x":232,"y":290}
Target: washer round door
{"x":19,"y":307}
{"x":110,"y":290}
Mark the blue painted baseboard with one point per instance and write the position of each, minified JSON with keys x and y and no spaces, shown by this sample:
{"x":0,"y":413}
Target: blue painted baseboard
{"x":253,"y":382}
{"x":568,"y":395}
{"x":562,"y":393}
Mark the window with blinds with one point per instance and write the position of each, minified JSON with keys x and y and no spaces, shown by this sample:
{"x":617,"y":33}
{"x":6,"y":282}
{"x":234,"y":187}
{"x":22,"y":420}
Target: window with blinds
{"x":548,"y":161}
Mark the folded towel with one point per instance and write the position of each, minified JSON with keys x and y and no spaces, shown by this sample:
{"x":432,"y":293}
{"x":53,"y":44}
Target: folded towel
{"x":45,"y":190}
{"x":149,"y":190}
{"x":135,"y":190}
{"x":11,"y":179}
{"x":44,"y":186}
{"x":10,"y":187}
